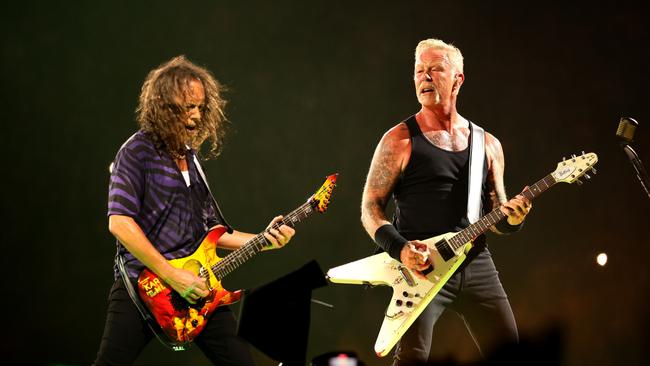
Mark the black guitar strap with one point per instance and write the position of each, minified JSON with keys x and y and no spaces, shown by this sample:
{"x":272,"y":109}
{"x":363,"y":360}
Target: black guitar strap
{"x":129,"y":288}
{"x":214,"y":202}
{"x":151,"y":322}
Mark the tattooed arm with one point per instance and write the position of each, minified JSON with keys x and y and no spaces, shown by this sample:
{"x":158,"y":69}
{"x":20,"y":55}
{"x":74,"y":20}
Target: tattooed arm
{"x":496,"y":165}
{"x":388,"y":162}
{"x":517,"y":207}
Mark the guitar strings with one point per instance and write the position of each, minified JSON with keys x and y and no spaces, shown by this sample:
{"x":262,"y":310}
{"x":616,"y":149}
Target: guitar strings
{"x":474,"y":230}
{"x":256,"y":244}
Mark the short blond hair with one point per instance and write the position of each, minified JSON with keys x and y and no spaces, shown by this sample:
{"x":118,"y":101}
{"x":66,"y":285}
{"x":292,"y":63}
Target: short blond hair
{"x":453,"y":53}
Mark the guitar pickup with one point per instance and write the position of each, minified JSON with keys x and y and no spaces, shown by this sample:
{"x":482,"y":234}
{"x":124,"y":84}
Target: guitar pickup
{"x":406,"y":275}
{"x":445,"y":250}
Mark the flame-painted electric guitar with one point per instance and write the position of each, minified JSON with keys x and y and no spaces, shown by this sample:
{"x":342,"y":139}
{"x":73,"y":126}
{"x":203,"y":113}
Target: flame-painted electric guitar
{"x":412,"y":293}
{"x":180,"y":322}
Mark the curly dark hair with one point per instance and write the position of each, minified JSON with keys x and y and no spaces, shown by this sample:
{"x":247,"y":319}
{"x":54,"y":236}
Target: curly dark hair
{"x":159,"y":115}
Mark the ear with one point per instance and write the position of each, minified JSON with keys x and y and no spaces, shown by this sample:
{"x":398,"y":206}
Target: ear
{"x":458,"y":81}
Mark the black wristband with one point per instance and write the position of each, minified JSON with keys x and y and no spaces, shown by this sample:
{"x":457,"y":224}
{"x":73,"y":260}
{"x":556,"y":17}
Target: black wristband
{"x":504,"y":227}
{"x":390,"y":240}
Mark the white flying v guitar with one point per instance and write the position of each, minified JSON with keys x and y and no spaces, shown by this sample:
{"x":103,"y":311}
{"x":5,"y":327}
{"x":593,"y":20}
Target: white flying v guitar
{"x":412,"y":293}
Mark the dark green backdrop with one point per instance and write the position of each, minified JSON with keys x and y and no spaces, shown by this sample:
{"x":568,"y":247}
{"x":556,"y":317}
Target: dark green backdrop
{"x":312,"y":86}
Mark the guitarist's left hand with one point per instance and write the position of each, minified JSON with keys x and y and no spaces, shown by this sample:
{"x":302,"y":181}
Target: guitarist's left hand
{"x":517,"y":208}
{"x":278,"y":236}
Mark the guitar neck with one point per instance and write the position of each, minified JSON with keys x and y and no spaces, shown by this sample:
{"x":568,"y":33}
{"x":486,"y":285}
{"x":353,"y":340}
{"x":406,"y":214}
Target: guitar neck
{"x":483,"y":224}
{"x":239,"y":256}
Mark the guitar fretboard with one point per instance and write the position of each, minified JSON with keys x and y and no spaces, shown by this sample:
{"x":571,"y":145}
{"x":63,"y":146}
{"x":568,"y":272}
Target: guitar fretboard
{"x":239,"y":256}
{"x":484,"y":223}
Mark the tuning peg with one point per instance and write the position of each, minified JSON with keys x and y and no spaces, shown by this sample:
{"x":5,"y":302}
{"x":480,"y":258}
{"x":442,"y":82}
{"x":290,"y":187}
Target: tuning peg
{"x":593,"y":170}
{"x":579,"y":182}
{"x":573,"y":157}
{"x":583,"y":154}
{"x":587,"y":176}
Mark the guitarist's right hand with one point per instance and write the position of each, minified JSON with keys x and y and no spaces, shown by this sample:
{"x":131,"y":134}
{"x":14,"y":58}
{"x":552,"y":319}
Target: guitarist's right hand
{"x":415,"y":255}
{"x":190,"y":286}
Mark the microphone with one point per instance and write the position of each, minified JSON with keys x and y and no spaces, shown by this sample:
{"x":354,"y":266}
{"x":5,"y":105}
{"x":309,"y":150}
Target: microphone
{"x":625,"y":133}
{"x":626,"y":128}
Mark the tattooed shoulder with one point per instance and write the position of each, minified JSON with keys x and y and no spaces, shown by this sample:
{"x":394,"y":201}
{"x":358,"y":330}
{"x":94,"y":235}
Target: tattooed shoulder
{"x":388,"y":159}
{"x":496,"y":165}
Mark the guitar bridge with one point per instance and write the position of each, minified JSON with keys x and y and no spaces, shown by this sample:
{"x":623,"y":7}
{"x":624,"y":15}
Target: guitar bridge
{"x":203,"y":273}
{"x":406,"y":275}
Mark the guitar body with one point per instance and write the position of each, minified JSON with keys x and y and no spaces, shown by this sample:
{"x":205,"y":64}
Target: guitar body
{"x":179,"y":320}
{"x":411,"y":292}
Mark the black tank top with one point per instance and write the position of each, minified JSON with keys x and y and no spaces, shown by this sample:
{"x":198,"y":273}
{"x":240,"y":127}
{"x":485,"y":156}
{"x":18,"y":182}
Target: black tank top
{"x":431,"y":195}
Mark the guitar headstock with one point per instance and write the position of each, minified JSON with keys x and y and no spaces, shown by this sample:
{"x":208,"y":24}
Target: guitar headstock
{"x":569,"y":171}
{"x":321,"y":198}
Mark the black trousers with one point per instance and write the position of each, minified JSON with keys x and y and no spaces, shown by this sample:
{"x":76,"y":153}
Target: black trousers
{"x":476,"y":294}
{"x":126,"y":334}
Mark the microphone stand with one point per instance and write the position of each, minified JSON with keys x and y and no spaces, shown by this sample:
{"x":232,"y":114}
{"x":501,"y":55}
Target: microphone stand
{"x":638,"y":167}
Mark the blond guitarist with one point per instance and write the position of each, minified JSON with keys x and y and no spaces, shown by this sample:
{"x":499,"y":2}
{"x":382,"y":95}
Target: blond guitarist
{"x":423,"y":164}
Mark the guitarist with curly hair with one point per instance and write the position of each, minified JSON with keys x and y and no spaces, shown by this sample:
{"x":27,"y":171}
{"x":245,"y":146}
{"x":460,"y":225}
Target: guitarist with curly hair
{"x":159,"y":207}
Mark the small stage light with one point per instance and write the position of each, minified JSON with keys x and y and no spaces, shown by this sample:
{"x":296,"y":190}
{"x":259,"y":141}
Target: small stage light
{"x":601,"y":259}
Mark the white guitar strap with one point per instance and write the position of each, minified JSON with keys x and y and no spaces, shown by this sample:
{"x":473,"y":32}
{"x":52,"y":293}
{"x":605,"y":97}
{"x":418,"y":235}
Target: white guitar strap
{"x":476,"y":161}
